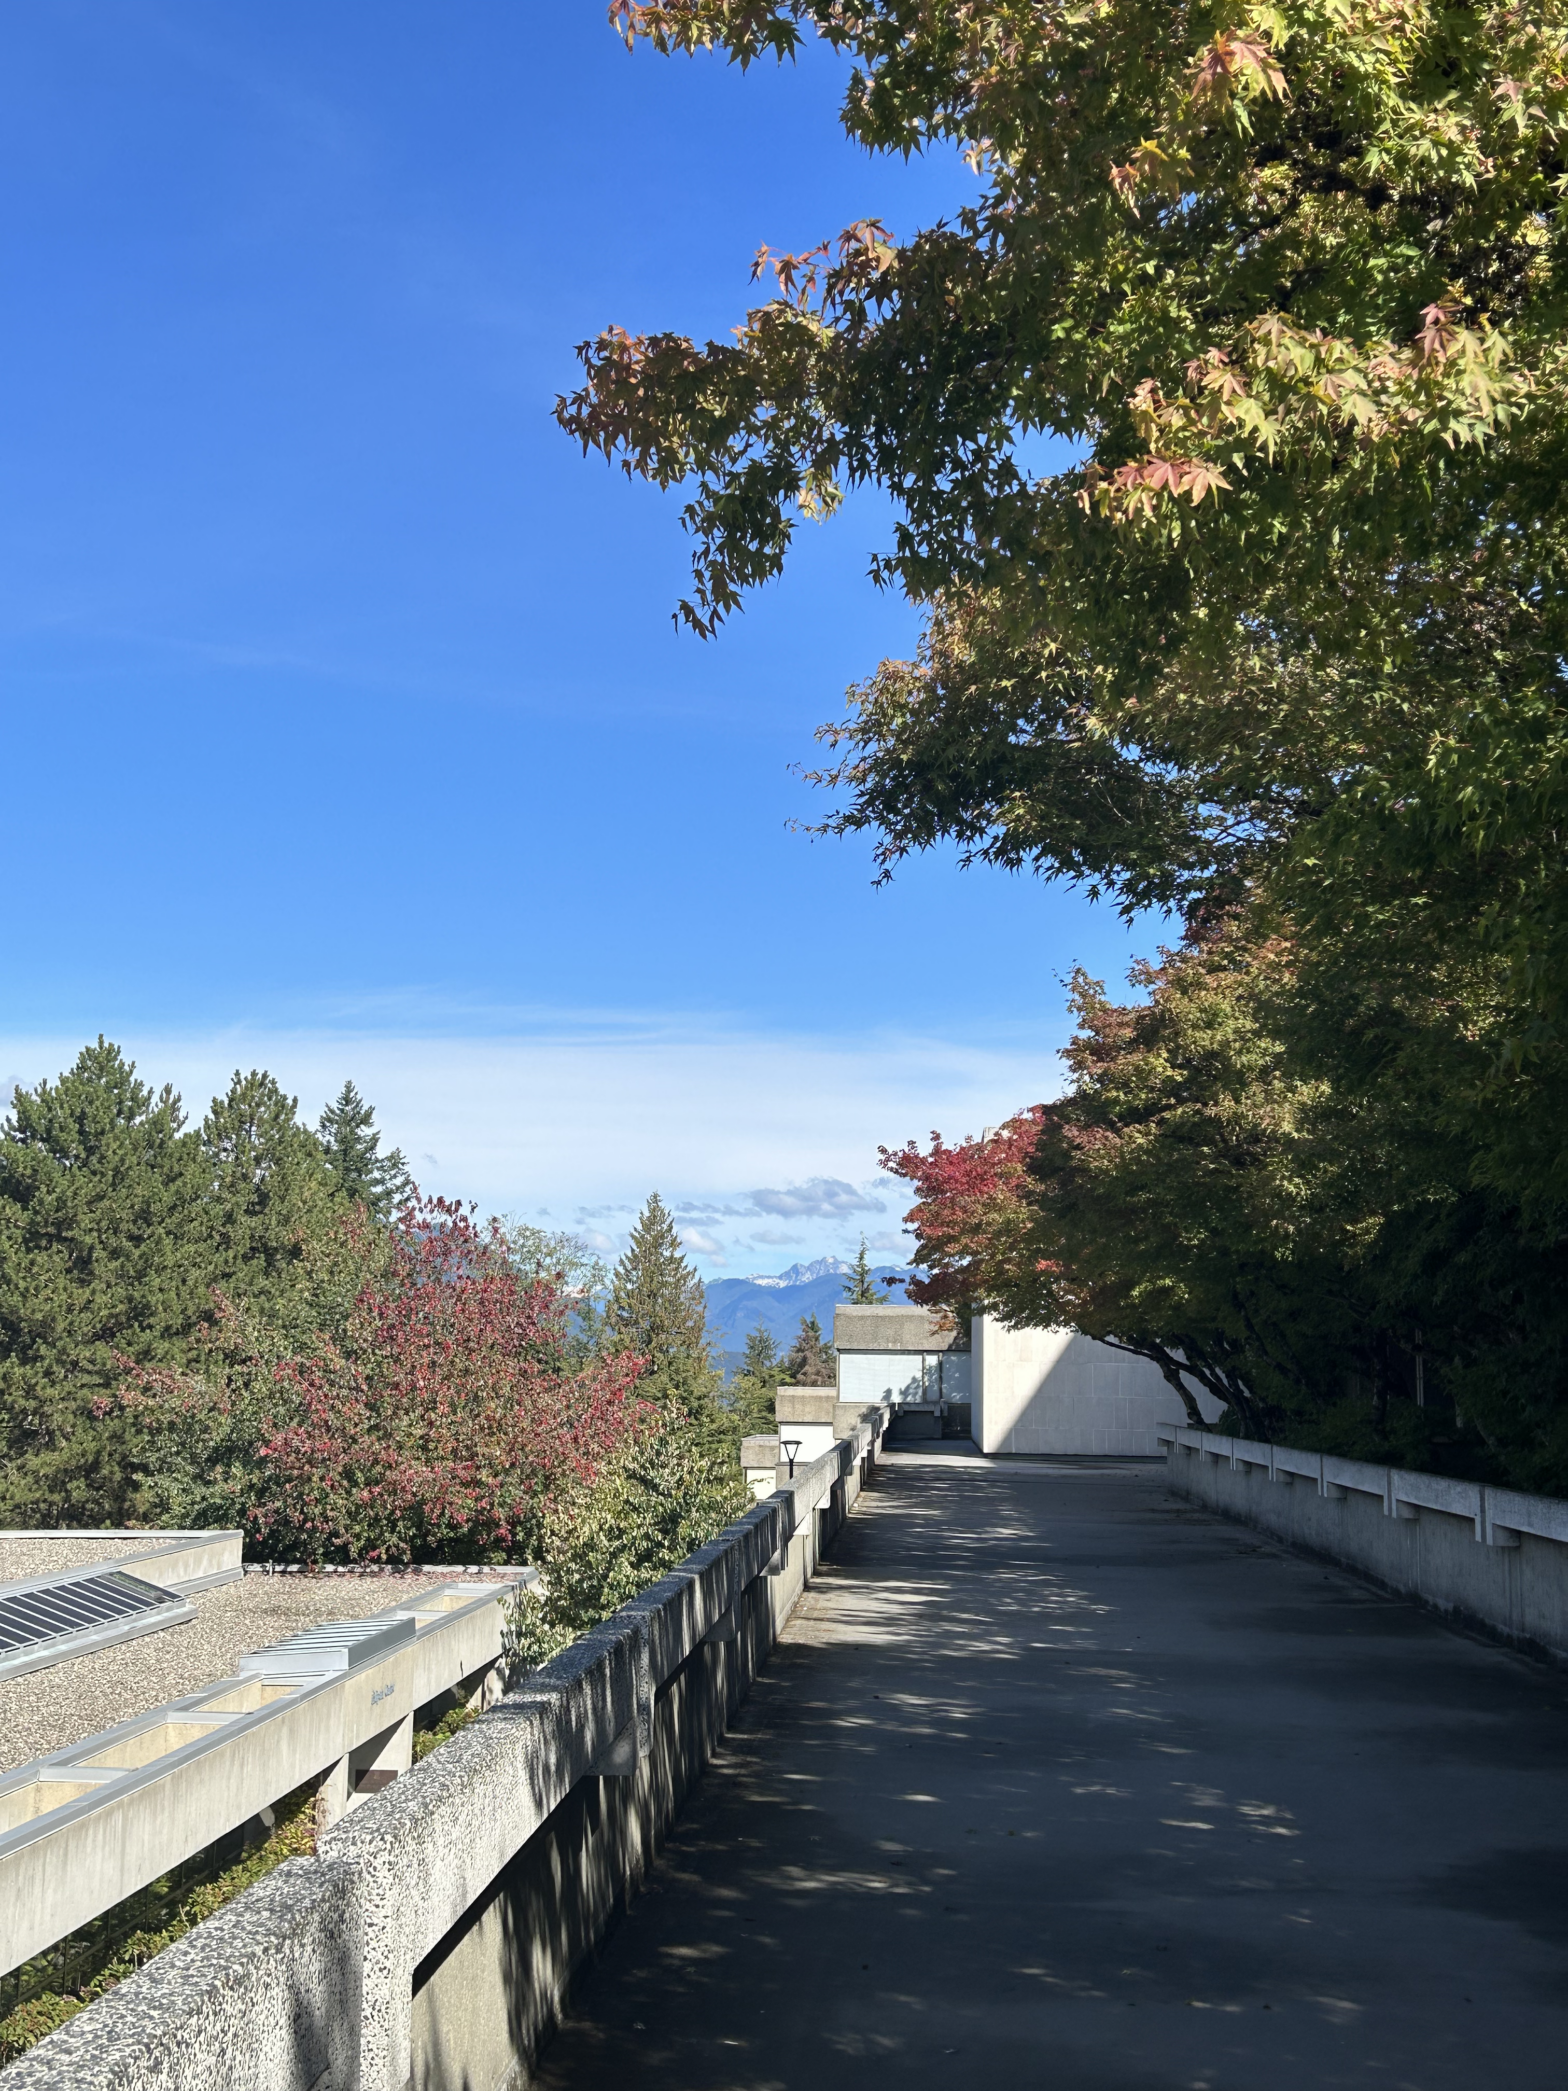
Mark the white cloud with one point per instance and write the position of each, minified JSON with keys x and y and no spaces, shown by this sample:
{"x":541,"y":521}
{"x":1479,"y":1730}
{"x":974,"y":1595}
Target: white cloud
{"x":774,"y":1238}
{"x":704,"y":1244}
{"x":902,"y":1243}
{"x":823,"y":1198}
{"x":589,"y":1117}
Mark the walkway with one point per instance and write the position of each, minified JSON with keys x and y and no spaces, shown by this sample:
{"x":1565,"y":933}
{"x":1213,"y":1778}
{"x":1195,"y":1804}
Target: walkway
{"x":1056,"y":1781}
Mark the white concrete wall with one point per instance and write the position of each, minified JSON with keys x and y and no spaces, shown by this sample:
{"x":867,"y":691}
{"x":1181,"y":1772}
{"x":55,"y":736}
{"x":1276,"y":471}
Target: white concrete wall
{"x":1050,"y":1390}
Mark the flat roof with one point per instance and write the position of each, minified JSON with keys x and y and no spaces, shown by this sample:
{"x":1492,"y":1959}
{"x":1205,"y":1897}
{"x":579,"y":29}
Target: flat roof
{"x":49,"y":1709}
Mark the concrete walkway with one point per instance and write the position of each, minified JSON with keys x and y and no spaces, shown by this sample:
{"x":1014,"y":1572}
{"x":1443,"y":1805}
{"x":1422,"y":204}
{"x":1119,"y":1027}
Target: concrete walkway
{"x":1057,"y":1781}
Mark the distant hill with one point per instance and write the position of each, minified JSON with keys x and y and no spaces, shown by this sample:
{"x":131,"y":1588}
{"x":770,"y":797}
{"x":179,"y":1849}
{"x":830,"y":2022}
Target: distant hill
{"x":737,"y":1305}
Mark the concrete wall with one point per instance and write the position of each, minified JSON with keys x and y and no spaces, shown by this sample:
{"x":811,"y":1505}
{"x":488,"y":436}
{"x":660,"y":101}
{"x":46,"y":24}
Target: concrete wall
{"x":1050,"y":1390}
{"x":431,"y":1941}
{"x":1487,"y":1555}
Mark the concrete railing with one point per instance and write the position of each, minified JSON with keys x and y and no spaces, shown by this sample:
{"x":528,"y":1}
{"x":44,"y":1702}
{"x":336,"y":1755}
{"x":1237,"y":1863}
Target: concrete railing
{"x":431,"y":1940}
{"x":89,"y":1825}
{"x":1490,"y":1555}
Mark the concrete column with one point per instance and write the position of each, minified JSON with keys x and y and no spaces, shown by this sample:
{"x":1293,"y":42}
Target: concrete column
{"x":332,"y":1795}
{"x":484,"y":1688}
{"x":375,"y":1764}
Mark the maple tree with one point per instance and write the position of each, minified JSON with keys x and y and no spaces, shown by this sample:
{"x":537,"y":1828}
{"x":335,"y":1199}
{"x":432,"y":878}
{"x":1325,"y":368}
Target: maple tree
{"x":1289,"y":282}
{"x":1201,"y":1197}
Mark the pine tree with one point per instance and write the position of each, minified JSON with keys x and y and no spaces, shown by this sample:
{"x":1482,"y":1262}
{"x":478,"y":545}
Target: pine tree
{"x":657,"y":1308}
{"x":811,"y":1361}
{"x":358,"y":1169}
{"x":860,"y":1287}
{"x":103,"y":1255}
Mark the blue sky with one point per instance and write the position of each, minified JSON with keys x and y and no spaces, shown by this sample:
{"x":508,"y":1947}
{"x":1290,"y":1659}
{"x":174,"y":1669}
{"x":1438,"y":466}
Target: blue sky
{"x":345,"y":726}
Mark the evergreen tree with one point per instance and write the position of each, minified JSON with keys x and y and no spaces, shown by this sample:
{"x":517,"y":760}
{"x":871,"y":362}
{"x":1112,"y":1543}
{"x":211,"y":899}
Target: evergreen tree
{"x":761,"y":1361}
{"x":860,"y":1287}
{"x":810,"y":1361}
{"x":749,"y":1395}
{"x":102,"y":1257}
{"x":358,"y":1169}
{"x":657,"y":1308}
{"x":267,"y":1186}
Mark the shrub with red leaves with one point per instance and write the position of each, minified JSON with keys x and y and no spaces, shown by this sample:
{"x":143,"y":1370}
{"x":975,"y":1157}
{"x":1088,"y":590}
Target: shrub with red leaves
{"x":436,"y":1421}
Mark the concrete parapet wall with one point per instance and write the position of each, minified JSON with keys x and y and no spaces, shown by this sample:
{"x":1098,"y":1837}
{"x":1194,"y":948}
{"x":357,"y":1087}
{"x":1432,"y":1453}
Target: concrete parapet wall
{"x":431,"y":1941}
{"x":1488,"y":1555}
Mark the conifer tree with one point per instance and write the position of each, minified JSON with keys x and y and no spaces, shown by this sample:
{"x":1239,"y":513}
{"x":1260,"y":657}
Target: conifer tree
{"x":761,"y":1361}
{"x":811,"y":1361}
{"x":101,"y":1257}
{"x":359,"y":1170}
{"x":749,"y":1395}
{"x":657,"y":1308}
{"x":860,"y":1287}
{"x":267,"y":1186}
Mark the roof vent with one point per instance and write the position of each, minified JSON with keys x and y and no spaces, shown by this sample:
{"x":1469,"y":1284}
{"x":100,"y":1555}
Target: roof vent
{"x":322,"y":1651}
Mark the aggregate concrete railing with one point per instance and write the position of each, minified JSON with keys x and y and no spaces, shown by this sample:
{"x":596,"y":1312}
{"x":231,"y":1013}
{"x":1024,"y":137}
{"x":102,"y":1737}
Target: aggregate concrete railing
{"x":1489,"y":1555}
{"x":430,"y":1942}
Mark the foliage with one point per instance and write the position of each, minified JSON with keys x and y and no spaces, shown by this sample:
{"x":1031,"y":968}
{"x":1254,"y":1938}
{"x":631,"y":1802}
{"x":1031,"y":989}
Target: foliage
{"x":1282,"y":635}
{"x":662,"y":1494}
{"x":111,"y":1956}
{"x":861,"y":1289}
{"x":1201,"y":1199}
{"x":752,"y":1391}
{"x":656,"y":1309}
{"x":452,"y":1722}
{"x":1288,"y":280}
{"x":358,"y":1169}
{"x":809,"y":1362}
{"x":115,"y":1223}
{"x":435,"y":1422}
{"x":573,"y":1268}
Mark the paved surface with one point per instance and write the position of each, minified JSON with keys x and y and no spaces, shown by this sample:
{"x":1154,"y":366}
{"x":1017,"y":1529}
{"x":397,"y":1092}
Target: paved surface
{"x":1057,"y":1780}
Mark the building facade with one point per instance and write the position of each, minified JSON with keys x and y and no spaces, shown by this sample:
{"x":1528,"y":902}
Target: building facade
{"x":1017,"y":1390}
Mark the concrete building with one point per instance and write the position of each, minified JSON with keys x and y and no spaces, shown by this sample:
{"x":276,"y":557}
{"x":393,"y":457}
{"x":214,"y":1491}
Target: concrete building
{"x":1012,"y":1390}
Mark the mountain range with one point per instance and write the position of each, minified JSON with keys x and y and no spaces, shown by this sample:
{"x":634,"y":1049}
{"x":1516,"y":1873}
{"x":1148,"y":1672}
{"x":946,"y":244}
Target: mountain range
{"x":737,"y":1305}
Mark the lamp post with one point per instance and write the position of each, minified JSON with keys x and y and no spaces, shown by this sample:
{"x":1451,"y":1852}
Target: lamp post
{"x":789,"y":1447}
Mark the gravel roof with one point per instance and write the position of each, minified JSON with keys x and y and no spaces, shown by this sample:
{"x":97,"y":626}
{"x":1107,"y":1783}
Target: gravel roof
{"x":35,"y":1554}
{"x":47,"y":1709}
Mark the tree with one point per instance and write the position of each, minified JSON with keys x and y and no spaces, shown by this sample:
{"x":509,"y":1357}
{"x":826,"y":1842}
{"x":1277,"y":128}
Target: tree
{"x":573,"y":1268}
{"x":268,"y":1186}
{"x":760,"y":1360}
{"x":1308,"y":359}
{"x":1199,"y":1199}
{"x":101,"y":1254}
{"x":750,"y":1396}
{"x":810,"y":1361}
{"x":358,"y":1169}
{"x":657,"y":1309}
{"x":436,"y":1423}
{"x":861,"y":1289}
{"x":658,"y":1497}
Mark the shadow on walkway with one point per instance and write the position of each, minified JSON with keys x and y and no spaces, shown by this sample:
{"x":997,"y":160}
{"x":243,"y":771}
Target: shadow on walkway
{"x":1056,"y":1780}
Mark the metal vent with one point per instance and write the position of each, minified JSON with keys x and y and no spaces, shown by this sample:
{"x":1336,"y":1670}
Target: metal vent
{"x":48,"y":1618}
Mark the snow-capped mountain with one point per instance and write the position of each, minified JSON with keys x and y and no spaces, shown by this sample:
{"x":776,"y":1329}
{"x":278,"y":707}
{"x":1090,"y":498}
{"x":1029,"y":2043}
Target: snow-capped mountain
{"x":738,"y":1305}
{"x":802,"y":1273}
